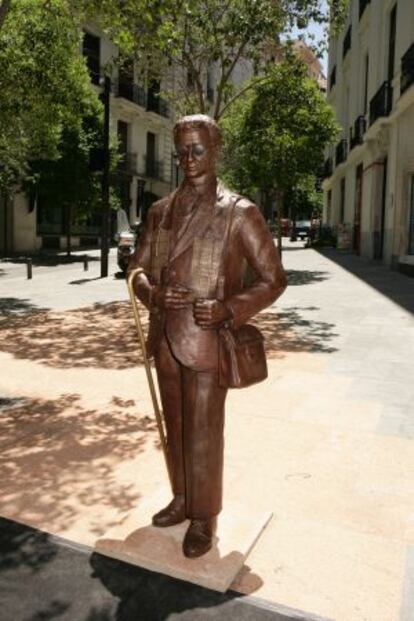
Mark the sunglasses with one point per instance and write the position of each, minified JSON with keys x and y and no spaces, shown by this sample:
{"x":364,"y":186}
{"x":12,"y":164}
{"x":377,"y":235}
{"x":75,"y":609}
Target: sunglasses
{"x":197,"y":150}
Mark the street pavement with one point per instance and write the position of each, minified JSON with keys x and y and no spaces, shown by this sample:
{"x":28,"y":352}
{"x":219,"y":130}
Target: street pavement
{"x":326,"y":443}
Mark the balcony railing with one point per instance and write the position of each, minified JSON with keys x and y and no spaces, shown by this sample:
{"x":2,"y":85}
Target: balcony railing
{"x":132,"y":92}
{"x":332,"y":78}
{"x":128,"y":163}
{"x":357,"y":131}
{"x":347,"y":42}
{"x":327,"y":167}
{"x":381,"y":103}
{"x":154,"y":169}
{"x":362,"y":6}
{"x":407,"y":69}
{"x":341,"y":151}
{"x":157,"y":104}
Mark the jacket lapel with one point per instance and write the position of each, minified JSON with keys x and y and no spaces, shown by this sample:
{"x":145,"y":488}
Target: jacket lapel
{"x":200,"y":221}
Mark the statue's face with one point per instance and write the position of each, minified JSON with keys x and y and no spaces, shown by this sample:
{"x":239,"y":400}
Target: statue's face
{"x":195,"y":152}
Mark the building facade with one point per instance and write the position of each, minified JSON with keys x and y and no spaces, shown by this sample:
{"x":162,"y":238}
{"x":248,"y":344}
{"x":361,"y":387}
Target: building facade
{"x":142,"y":122}
{"x":369,"y":173}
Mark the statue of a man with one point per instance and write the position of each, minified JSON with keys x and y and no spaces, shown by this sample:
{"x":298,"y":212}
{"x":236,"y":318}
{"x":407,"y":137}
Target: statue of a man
{"x":181,"y":252}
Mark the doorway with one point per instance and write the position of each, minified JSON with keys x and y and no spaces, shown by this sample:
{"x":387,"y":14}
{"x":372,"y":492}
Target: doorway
{"x":358,"y":209}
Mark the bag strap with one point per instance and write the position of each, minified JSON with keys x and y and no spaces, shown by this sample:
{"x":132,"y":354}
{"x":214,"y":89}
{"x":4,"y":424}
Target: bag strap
{"x":221,"y":275}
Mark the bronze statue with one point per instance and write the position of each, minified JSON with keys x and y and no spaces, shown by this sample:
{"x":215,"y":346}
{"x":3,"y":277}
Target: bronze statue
{"x":181,"y":252}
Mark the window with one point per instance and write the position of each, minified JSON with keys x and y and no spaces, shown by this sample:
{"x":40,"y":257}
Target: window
{"x":151,"y":162}
{"x":153,"y":102}
{"x":122,"y":137}
{"x":366,"y":76}
{"x":342,"y":202}
{"x":391,"y":42}
{"x":91,"y":50}
{"x":410,"y":249}
{"x":329,"y":207}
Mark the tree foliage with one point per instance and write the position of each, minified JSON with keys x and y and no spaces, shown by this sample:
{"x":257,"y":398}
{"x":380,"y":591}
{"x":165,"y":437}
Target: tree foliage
{"x":196,"y":36}
{"x":44,"y":85}
{"x":275,"y":137}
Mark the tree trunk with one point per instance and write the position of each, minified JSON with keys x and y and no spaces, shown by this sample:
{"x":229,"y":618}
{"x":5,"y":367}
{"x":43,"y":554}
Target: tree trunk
{"x":68,"y":229}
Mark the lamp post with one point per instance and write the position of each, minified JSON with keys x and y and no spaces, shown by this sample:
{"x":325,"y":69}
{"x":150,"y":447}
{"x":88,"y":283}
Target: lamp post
{"x":105,"y":179}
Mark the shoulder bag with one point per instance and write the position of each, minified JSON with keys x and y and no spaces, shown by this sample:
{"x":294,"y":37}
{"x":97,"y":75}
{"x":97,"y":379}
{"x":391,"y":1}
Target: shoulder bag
{"x":242,"y":358}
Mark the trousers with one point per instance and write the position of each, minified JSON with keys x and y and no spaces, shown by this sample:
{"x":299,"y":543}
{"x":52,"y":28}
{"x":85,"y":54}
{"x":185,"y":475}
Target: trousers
{"x":193,"y":406}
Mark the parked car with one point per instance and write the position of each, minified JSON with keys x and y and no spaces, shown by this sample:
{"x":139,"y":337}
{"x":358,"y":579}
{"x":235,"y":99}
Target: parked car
{"x":126,"y":237}
{"x":301,"y":229}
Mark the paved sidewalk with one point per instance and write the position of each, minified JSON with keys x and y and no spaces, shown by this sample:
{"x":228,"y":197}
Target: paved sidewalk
{"x":326,"y":443}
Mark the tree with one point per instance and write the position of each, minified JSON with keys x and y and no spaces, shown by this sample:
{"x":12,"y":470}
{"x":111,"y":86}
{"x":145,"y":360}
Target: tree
{"x":44,"y":84}
{"x":67,"y":183}
{"x":276,"y":136}
{"x":198,"y":36}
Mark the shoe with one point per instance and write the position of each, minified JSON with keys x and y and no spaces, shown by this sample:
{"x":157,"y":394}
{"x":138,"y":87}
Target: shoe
{"x":174,"y":513}
{"x":199,"y":537}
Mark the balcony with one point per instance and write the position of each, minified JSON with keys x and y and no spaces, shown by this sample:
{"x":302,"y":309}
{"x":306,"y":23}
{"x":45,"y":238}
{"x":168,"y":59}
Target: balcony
{"x":341,"y":151}
{"x":156,"y":104}
{"x":327,"y":167}
{"x":332,"y":78}
{"x":347,"y":42}
{"x":132,"y":92}
{"x":407,"y":69}
{"x":128,"y":163}
{"x":362,"y":6}
{"x":154,"y":169}
{"x":357,"y":131}
{"x":381,"y":103}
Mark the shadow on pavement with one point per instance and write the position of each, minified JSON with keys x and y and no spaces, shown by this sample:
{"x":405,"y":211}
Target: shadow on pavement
{"x":104,"y":336}
{"x":83,"y":281}
{"x":99,"y":336}
{"x":14,"y":306}
{"x":44,"y":577}
{"x":57,"y":457}
{"x":288,"y":330}
{"x":396,"y":286}
{"x":305,"y":277}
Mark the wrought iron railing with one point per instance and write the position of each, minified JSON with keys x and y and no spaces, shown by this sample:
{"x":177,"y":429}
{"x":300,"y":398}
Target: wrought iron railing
{"x":156,"y":104}
{"x":132,"y":92}
{"x":407,"y":69}
{"x":357,"y":131}
{"x":327,"y":167}
{"x":381,"y":103}
{"x":154,"y":169}
{"x":128,"y":163}
{"x":341,"y":151}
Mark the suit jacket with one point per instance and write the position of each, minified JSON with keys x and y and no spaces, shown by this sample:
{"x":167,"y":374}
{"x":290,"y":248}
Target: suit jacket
{"x":193,"y":260}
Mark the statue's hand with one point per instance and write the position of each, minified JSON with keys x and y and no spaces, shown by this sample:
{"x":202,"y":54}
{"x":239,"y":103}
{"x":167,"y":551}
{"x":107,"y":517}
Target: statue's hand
{"x":208,"y":313}
{"x":171,"y":298}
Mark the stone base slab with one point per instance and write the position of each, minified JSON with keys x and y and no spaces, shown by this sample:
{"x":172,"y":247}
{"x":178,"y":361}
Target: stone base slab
{"x":136,"y":541}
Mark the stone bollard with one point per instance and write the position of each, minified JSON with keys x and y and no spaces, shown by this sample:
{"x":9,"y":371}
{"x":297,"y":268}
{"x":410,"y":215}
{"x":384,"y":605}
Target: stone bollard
{"x":29,"y":269}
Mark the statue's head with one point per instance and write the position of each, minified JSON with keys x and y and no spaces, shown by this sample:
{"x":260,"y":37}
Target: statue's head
{"x":197,"y":141}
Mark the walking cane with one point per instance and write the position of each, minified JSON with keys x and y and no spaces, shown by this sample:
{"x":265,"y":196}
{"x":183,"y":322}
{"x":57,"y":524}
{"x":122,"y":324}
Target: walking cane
{"x":141,"y":337}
